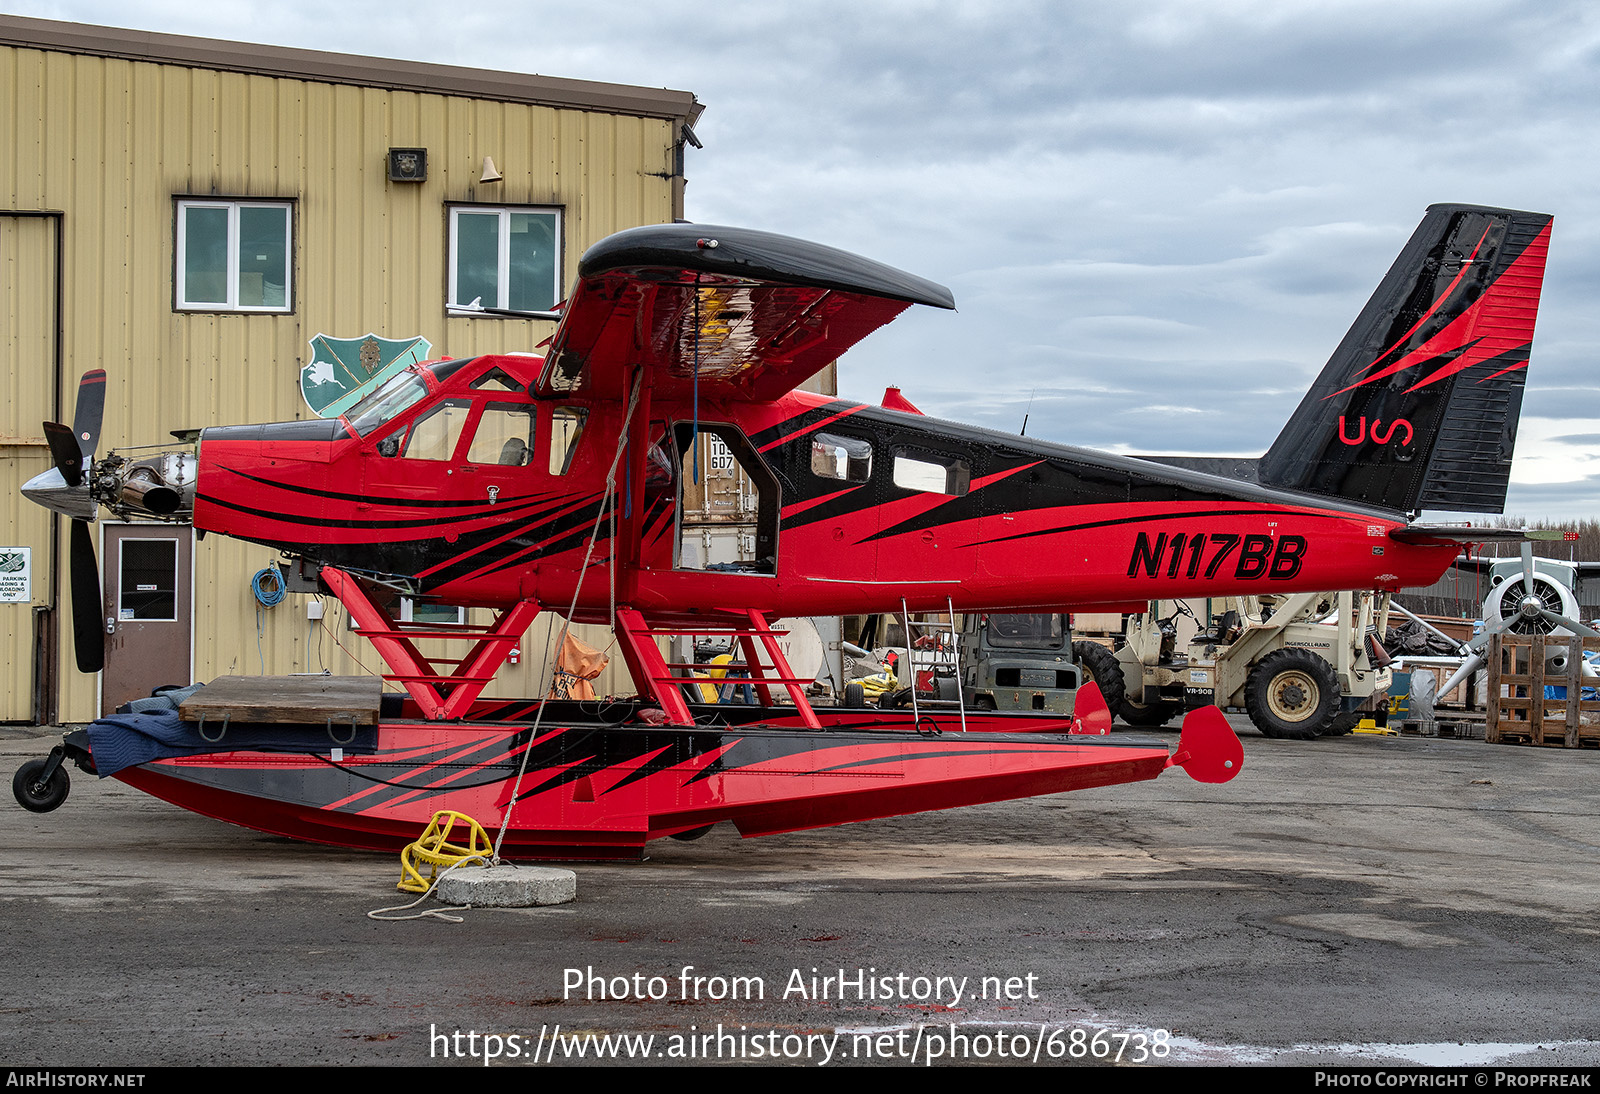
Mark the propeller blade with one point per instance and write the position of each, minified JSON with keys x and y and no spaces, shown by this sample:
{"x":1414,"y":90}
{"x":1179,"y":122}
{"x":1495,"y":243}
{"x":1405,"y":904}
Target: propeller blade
{"x":91,"y":409}
{"x":1491,"y":627}
{"x":1571,"y":625}
{"x":88,"y":640}
{"x":65,"y":452}
{"x":1527,"y":566}
{"x":1468,"y":667}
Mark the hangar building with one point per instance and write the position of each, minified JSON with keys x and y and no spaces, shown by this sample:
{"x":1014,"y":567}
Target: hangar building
{"x":190,"y":215}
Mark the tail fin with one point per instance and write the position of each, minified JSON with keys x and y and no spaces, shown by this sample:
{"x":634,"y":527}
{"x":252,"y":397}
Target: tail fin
{"x":1418,"y":407}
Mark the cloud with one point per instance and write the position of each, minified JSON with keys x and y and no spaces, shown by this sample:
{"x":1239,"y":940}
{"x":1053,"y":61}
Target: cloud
{"x":1157,"y":218}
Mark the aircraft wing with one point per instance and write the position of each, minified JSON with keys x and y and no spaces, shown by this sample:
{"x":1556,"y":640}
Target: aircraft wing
{"x":733,"y":312}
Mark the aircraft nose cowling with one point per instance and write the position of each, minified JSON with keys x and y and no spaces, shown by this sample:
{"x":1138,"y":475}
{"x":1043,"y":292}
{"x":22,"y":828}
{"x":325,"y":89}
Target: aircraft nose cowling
{"x":304,"y":441}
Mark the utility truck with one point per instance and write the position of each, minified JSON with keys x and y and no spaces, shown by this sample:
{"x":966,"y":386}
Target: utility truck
{"x":1301,"y":665}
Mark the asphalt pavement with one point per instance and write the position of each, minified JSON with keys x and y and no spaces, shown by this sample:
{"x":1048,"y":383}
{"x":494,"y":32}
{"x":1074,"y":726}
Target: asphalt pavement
{"x":1356,"y":900}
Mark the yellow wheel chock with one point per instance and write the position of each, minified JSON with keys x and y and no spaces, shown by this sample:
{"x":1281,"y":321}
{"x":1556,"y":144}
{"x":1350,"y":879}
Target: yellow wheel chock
{"x":1370,"y":727}
{"x":434,"y":850}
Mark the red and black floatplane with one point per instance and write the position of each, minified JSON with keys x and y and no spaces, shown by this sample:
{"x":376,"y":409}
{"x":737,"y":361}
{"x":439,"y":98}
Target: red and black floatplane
{"x":524,"y":484}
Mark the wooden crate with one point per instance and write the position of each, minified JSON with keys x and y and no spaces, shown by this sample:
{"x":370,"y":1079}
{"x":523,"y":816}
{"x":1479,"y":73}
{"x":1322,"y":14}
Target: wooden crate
{"x":1518,"y":711}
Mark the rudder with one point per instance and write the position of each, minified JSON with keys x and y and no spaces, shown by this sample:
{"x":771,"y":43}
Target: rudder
{"x":1418,"y":407}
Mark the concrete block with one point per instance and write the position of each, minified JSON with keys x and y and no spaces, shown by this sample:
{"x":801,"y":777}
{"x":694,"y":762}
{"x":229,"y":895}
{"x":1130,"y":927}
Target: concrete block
{"x":508,"y":886}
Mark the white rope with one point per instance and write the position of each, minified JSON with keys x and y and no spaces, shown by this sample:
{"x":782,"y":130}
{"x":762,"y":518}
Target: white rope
{"x":432,"y":913}
{"x":594,"y":535}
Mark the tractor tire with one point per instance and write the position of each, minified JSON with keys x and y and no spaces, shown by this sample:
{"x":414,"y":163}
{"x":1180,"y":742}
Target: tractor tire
{"x":895,"y":700}
{"x":1292,"y":694}
{"x":1147,"y":715}
{"x":1105,"y":669}
{"x":1343,"y":723}
{"x":1107,"y":672}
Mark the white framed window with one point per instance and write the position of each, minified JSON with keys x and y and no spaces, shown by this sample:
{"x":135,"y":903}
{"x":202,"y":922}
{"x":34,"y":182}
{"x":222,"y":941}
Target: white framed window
{"x":506,"y":257}
{"x":234,"y":256}
{"x":412,"y":611}
{"x":848,"y":459}
{"x":937,"y":475}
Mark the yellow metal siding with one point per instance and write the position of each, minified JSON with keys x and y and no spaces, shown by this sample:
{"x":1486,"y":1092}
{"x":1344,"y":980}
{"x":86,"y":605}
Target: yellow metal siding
{"x":113,"y":143}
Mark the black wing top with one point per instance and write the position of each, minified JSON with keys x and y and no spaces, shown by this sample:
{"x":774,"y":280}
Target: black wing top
{"x":738,"y":313}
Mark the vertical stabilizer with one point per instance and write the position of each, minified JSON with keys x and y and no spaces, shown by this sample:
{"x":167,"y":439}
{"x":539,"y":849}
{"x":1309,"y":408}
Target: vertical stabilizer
{"x":1418,"y":407}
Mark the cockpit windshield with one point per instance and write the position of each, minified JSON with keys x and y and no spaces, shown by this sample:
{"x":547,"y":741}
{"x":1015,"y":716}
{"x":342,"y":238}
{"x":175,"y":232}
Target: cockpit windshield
{"x":398,"y":395}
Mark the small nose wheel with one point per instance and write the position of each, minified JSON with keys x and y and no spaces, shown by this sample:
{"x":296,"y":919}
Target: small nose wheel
{"x":41,"y":785}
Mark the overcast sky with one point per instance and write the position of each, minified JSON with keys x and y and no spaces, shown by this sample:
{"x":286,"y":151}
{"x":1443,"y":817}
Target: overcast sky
{"x":1158,"y":218}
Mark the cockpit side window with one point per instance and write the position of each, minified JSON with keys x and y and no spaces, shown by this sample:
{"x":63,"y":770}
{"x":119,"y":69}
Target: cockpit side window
{"x":447,"y":367}
{"x":434,"y":435}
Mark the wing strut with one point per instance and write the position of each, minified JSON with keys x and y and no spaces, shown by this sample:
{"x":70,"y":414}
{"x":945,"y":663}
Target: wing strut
{"x":438,"y":696}
{"x":652,"y":673}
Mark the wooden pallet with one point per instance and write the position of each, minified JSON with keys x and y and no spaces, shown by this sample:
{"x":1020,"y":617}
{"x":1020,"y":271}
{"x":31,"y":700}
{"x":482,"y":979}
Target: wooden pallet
{"x":1519,"y":713}
{"x":1459,"y":725}
{"x":307,"y":700}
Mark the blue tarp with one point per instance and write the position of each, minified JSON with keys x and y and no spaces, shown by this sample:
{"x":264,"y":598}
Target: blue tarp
{"x":127,"y":740}
{"x":1559,"y":691}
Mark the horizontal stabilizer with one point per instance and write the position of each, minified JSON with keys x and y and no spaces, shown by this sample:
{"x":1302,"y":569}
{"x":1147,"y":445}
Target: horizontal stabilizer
{"x":1464,"y":533}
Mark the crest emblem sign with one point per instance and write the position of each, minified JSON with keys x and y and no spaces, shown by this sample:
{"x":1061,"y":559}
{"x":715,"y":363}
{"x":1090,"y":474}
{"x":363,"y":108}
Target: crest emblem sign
{"x":342,"y":370}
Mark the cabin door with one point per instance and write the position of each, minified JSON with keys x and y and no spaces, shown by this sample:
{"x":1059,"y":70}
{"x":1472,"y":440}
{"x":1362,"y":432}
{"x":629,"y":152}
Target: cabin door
{"x":148,"y":610}
{"x":727,"y":505}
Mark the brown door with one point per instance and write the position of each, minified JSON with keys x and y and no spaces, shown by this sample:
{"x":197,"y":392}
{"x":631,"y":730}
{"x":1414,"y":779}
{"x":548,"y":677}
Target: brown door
{"x":149,"y":600}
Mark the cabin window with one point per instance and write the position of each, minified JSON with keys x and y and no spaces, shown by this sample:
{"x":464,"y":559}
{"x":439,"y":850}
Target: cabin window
{"x":504,"y":257}
{"x":932,"y":474}
{"x":504,"y":436}
{"x":566,"y":429}
{"x":848,"y":459}
{"x":233,"y":256}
